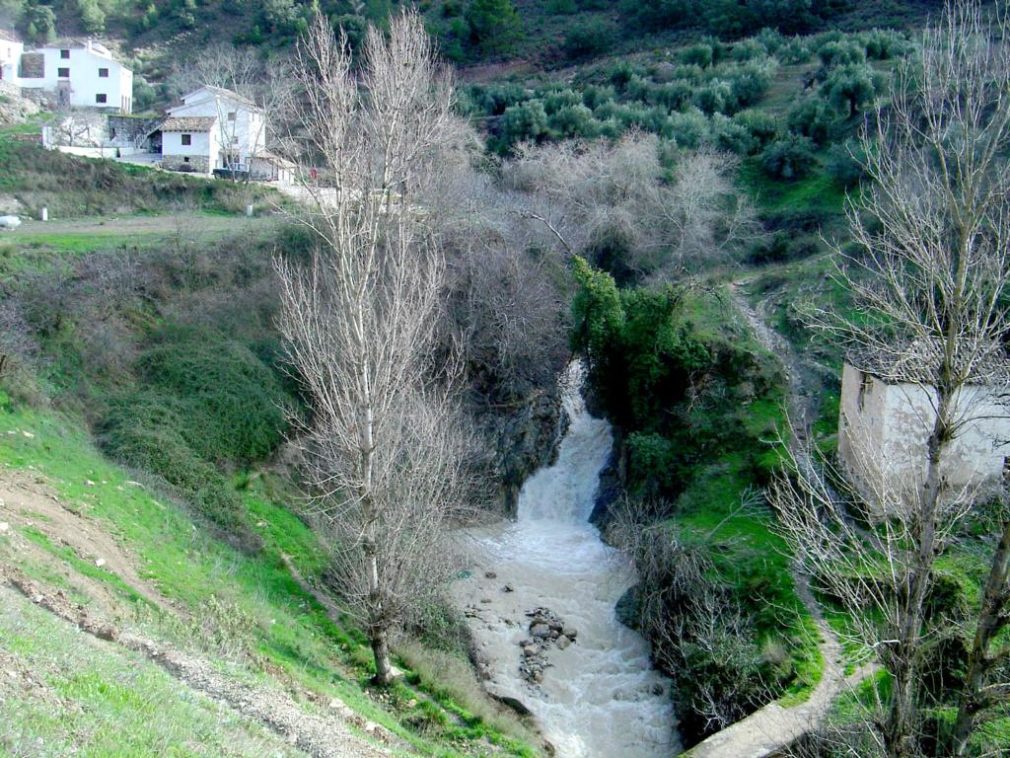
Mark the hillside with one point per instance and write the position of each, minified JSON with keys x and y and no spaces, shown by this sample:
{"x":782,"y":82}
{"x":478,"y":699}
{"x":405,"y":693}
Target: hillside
{"x":175,"y":598}
{"x":688,"y":200}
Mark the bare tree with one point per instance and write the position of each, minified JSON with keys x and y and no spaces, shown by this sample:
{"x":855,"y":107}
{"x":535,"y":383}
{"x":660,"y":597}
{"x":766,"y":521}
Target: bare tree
{"x":386,"y":449}
{"x":930,"y":278}
{"x":593,"y":194}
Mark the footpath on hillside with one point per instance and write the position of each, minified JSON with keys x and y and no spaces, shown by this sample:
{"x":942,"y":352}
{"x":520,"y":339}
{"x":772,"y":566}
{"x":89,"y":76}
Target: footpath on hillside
{"x":324,"y":730}
{"x":773,"y":728}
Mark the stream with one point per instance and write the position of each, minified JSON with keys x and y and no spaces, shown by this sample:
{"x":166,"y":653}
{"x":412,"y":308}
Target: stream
{"x":595,"y":693}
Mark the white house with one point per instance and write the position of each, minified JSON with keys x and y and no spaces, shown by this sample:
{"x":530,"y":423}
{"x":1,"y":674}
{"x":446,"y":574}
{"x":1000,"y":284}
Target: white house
{"x":884,"y":425}
{"x":213,"y":128}
{"x":11,"y":48}
{"x":72,"y":73}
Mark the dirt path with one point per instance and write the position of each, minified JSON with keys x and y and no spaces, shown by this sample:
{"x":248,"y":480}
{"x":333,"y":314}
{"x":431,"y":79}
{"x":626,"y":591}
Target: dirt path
{"x":324,"y":730}
{"x":185,"y":224}
{"x":774,"y":727}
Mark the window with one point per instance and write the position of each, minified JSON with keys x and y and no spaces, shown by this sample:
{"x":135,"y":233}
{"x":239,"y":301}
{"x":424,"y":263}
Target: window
{"x":65,"y":54}
{"x":103,"y":73}
{"x":186,"y":158}
{"x":234,"y":140}
{"x":101,"y":98}
{"x":865,"y":384}
{"x":231,"y":116}
{"x":63,"y":73}
{"x":187,"y":139}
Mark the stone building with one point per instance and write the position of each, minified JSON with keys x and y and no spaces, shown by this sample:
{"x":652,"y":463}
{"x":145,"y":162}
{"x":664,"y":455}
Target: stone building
{"x":886,"y":418}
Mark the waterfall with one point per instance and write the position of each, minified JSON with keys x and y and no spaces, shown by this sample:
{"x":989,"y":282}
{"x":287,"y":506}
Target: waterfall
{"x":599,"y":696}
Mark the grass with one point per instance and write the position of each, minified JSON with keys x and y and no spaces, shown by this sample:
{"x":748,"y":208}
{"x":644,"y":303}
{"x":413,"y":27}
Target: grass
{"x":280,"y":627}
{"x":121,"y":704}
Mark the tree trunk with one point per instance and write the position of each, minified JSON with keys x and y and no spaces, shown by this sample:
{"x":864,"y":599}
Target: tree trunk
{"x":990,"y":622}
{"x":380,"y":650}
{"x":898,"y":732}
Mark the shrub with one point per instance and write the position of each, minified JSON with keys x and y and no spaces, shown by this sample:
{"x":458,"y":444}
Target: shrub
{"x":815,"y":119}
{"x":748,"y":50}
{"x":851,"y":88}
{"x":688,"y":130}
{"x":796,"y":50}
{"x":750,"y":83}
{"x":733,"y":136}
{"x":673,"y":95}
{"x":239,"y":401}
{"x":883,"y":44}
{"x":789,"y":158}
{"x":143,"y":431}
{"x":841,"y":53}
{"x":590,"y":37}
{"x":527,"y":121}
{"x":763,"y":127}
{"x":495,"y":25}
{"x":715,"y":97}
{"x":574,"y":121}
{"x":700,"y":54}
{"x":846,"y":163}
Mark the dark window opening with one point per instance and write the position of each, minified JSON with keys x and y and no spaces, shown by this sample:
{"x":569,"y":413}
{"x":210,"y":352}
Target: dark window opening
{"x":864,"y":385}
{"x":63,"y":73}
{"x":103,"y":73}
{"x":65,"y":54}
{"x":187,"y":139}
{"x":101,"y":98}
{"x":231,"y":116}
{"x":185,"y":159}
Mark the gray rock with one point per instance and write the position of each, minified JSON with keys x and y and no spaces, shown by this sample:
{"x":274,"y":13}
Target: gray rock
{"x":540,"y":630}
{"x":571,"y":632}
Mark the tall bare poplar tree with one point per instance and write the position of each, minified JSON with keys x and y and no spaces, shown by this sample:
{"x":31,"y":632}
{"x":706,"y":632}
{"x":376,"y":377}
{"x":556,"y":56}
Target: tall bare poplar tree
{"x":931,"y":278}
{"x":385,"y":449}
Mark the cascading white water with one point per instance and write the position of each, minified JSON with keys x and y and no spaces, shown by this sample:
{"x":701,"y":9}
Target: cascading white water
{"x":600,"y":695}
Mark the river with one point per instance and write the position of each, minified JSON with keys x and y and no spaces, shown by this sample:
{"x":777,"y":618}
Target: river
{"x":599,"y":696}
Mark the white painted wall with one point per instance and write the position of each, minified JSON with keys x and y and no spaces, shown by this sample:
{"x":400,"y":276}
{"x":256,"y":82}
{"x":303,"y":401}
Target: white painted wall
{"x":201,"y":144}
{"x":85,"y":65}
{"x":10,"y":54}
{"x":883,"y":431}
{"x":245,"y":134}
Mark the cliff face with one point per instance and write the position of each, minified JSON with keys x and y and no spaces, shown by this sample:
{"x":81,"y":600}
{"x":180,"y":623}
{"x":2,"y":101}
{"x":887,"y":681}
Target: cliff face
{"x":526,"y":438}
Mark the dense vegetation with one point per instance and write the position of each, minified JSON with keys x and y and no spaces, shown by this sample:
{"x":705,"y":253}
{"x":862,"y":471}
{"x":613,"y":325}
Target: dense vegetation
{"x":697,"y":404}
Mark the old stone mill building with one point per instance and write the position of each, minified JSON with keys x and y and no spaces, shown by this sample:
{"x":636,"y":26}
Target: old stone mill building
{"x":886,"y":417}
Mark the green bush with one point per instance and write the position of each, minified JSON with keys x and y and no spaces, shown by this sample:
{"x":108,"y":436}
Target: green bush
{"x":846,"y":163}
{"x":590,"y":37}
{"x":852,"y":88}
{"x":789,"y":158}
{"x":144,"y":430}
{"x":815,"y":119}
{"x":238,"y":399}
{"x":527,"y":121}
{"x":762,"y":126}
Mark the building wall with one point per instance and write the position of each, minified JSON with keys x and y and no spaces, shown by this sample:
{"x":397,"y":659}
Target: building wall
{"x":244,"y":135}
{"x":203,"y":145}
{"x":84,"y":82}
{"x":10,"y":53}
{"x":197,"y":163}
{"x":883,"y":434}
